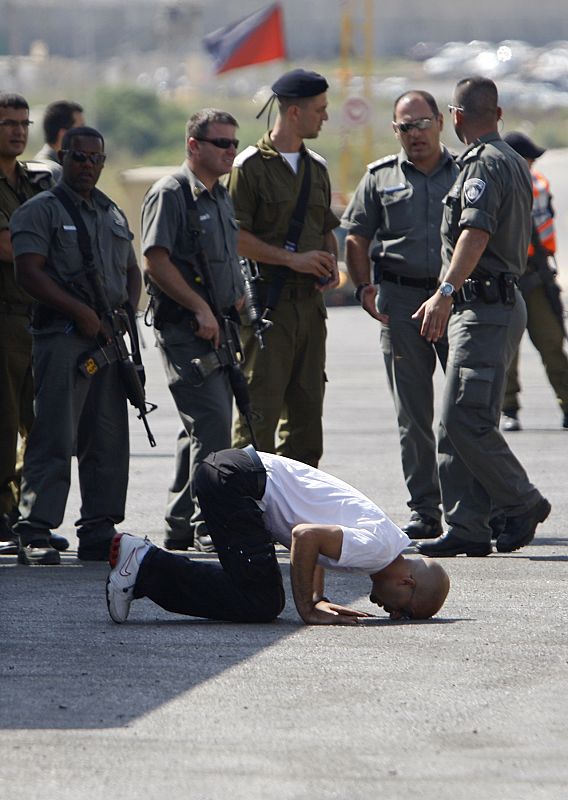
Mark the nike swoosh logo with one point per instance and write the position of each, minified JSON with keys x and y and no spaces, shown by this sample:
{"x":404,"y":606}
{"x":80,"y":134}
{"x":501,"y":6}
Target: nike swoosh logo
{"x":124,"y":571}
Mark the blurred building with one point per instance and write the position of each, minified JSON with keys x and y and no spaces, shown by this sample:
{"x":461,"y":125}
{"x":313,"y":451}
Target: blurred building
{"x":107,"y":28}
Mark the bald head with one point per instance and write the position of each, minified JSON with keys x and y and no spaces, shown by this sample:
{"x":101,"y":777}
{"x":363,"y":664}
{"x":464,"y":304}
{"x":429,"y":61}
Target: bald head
{"x":432,"y":587}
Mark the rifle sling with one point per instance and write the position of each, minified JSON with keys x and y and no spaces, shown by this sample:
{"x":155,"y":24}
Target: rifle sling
{"x":295,"y":229}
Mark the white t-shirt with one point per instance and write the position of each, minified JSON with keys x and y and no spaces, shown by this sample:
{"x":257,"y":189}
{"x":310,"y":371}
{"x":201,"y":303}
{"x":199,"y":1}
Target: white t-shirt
{"x":293,"y":159}
{"x":297,"y":493}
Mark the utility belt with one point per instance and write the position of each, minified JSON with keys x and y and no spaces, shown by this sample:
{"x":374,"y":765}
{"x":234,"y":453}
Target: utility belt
{"x":488,"y":289}
{"x":416,"y":283}
{"x":21,"y":309}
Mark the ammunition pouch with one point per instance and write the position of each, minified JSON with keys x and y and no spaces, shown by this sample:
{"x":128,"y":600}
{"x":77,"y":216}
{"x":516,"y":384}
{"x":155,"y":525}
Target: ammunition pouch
{"x":488,"y":289}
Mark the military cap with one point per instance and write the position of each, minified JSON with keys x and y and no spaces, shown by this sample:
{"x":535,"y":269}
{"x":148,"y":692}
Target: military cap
{"x":300,"y":83}
{"x":524,"y":146}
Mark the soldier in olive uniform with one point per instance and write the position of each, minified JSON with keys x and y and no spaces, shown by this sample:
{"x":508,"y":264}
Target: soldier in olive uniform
{"x":74,"y":414}
{"x":18,"y":183}
{"x":485,"y":236}
{"x":287,"y":378}
{"x":185,"y":325}
{"x":398,"y":208}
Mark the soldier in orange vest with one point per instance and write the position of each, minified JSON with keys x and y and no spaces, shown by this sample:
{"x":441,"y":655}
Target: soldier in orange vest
{"x":545,"y":314}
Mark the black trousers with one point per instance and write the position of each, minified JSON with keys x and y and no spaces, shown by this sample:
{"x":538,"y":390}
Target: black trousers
{"x":247,"y":584}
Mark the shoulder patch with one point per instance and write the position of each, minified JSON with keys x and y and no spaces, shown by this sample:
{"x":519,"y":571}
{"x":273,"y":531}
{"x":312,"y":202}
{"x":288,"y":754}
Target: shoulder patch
{"x":316,"y":157}
{"x":245,"y":155}
{"x":473,"y":188}
{"x":382,"y":162}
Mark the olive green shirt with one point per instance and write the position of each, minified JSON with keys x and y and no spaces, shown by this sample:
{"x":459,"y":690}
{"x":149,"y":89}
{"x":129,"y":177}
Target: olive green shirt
{"x":43,"y":226}
{"x":30,"y":182}
{"x":165,"y":224}
{"x":264,"y":189}
{"x":399,"y":209}
{"x":493,"y":193}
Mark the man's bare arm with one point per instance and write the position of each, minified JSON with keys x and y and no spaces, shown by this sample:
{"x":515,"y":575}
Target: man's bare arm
{"x":435,"y":312}
{"x":168,"y":278}
{"x":5,"y":246}
{"x":359,"y":268}
{"x":133,"y":284}
{"x":308,"y":542}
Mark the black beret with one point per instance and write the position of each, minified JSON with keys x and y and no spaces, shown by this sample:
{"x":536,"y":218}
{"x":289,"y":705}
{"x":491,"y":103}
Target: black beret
{"x":524,"y":146}
{"x":300,"y":83}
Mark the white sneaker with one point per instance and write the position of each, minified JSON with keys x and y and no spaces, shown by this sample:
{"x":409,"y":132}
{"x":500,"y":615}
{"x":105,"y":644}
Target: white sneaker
{"x":125,"y":556}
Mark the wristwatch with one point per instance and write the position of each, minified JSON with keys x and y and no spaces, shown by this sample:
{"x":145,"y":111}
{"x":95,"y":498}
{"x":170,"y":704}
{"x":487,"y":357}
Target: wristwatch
{"x":359,"y":290}
{"x":446,"y":289}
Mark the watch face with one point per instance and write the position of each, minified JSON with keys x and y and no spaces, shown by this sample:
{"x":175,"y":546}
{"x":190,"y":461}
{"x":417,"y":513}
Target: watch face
{"x":446,"y":289}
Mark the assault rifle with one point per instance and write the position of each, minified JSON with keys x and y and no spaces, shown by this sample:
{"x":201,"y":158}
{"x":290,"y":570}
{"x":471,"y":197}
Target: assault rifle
{"x":112,"y":347}
{"x":255,"y":312}
{"x":229,"y":355}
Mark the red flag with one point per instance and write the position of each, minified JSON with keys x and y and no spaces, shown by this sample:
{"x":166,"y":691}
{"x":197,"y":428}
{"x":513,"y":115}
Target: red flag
{"x":253,"y":39}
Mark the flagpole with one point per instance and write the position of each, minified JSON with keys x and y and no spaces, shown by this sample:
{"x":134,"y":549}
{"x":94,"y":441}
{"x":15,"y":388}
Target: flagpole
{"x":368,"y":73}
{"x":346,"y":40}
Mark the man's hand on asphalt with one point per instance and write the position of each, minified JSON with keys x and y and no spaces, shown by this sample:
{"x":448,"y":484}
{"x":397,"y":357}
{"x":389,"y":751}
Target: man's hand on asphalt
{"x":326,"y":613}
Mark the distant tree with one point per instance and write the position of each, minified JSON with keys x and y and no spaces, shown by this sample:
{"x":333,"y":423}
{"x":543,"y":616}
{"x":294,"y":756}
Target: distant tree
{"x":137,"y":121}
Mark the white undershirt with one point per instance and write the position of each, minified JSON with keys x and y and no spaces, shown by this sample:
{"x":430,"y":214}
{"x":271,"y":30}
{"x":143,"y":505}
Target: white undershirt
{"x":293,"y":159}
{"x":297,"y":493}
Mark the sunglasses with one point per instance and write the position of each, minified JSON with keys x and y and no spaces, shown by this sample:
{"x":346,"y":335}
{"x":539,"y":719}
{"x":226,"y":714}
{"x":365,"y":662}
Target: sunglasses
{"x":452,"y":108}
{"x":420,"y":125}
{"x":221,"y":142}
{"x":81,"y":158}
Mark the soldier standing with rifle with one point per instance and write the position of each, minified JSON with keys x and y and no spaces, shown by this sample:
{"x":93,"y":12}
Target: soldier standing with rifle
{"x":282,"y":196}
{"x":189,"y":240}
{"x":74,"y":414}
{"x":541,"y":293}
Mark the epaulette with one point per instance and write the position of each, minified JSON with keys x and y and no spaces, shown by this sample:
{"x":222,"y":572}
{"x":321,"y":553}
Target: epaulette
{"x":245,"y":155}
{"x":316,"y":157}
{"x":472,"y":154}
{"x":38,"y":173}
{"x":382,"y":162}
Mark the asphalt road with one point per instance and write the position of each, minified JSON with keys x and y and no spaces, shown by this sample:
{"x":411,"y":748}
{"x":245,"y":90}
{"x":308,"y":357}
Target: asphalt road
{"x":471,"y":704}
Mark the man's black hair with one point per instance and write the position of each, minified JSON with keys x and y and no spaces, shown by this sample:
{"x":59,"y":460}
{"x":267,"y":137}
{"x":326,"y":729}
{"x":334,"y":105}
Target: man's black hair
{"x":478,"y":96}
{"x":59,"y":114}
{"x":13,"y":100}
{"x":73,"y":133}
{"x":419,"y":93}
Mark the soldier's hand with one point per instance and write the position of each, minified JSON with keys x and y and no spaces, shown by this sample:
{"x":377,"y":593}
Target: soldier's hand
{"x":332,"y":281}
{"x":368,"y":302}
{"x":434,"y":314}
{"x":207,"y":326}
{"x":88,"y":322}
{"x":315,"y":262}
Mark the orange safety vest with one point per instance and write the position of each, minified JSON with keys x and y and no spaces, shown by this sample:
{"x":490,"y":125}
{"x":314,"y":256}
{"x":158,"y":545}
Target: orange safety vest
{"x":542,"y":213}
